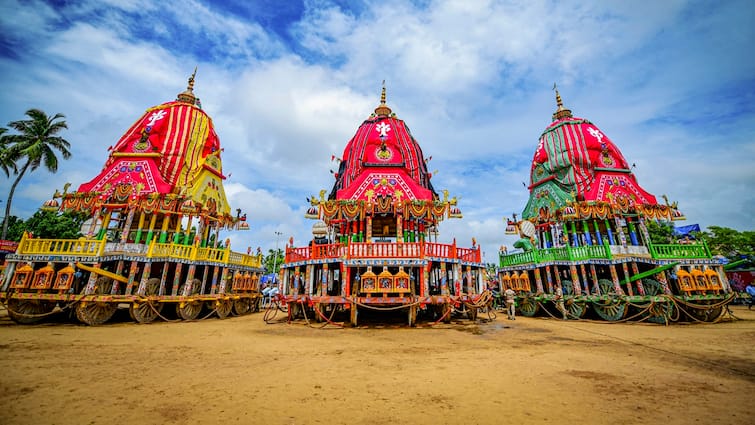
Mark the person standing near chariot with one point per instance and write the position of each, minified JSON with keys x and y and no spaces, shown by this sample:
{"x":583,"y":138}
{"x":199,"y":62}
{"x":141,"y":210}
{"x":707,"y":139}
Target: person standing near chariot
{"x":750,"y":289}
{"x":560,"y":300}
{"x":509,"y":295}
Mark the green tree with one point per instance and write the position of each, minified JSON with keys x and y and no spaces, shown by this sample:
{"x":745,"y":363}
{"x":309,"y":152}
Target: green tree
{"x":661,"y":232}
{"x":272,"y":262}
{"x":35,"y":144}
{"x":7,"y":164}
{"x":16,"y":228}
{"x":730,"y":243}
{"x":54,"y":225}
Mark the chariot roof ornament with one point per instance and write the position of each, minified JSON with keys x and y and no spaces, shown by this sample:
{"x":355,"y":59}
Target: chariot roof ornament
{"x":188,"y":95}
{"x":561,"y":112}
{"x":383,"y":109}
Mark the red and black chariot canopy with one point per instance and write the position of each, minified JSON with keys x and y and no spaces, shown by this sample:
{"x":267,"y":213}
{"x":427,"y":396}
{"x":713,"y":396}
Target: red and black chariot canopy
{"x":383,"y":160}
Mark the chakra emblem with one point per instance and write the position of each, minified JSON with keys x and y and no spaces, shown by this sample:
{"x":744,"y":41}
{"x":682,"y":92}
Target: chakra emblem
{"x":384,"y":153}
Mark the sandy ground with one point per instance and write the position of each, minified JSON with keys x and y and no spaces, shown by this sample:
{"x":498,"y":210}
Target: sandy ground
{"x":242,"y":370}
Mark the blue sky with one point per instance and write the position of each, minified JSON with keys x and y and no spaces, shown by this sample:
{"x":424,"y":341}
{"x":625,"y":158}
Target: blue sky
{"x":287,"y":84}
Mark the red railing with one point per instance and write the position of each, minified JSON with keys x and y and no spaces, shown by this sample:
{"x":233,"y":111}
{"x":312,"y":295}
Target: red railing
{"x":383,"y":250}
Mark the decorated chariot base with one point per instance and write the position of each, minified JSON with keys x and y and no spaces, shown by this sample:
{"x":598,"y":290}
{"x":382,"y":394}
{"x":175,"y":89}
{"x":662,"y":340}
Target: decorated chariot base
{"x":372,"y":249}
{"x":153,"y":242}
{"x":585,"y":229}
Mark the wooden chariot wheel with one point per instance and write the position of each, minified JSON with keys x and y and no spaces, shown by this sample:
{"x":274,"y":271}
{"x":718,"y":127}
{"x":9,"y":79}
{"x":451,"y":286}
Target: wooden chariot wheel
{"x":223,"y":307}
{"x":243,"y":306}
{"x":189,"y":310}
{"x":575,"y":309}
{"x":95,"y":313}
{"x":528,"y":306}
{"x":612,"y":309}
{"x":703,"y":312}
{"x":660,"y":312}
{"x":26,"y":312}
{"x":147,"y":311}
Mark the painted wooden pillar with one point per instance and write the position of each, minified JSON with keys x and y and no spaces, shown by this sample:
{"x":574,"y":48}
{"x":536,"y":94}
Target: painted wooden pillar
{"x":164,"y":278}
{"x":636,"y":271}
{"x":549,"y":279}
{"x":620,"y":232}
{"x":205,"y":233}
{"x":139,"y":227}
{"x":443,"y":280}
{"x":594,"y":275}
{"x":309,"y":279}
{"x":575,"y":280}
{"x":214,"y":282}
{"x":324,"y":280}
{"x":598,"y":236}
{"x":204,"y":279}
{"x":152,"y":221}
{"x":585,"y":280}
{"x":177,"y":232}
{"x":92,"y":281}
{"x":399,"y":228}
{"x":142,"y":289}
{"x":558,"y":276}
{"x":574,"y":236}
{"x":221,"y":288}
{"x":127,"y":226}
{"x":661,"y":278}
{"x":176,"y":279}
{"x":119,"y":272}
{"x":164,"y":228}
{"x":368,"y":231}
{"x":632,"y":232}
{"x":187,"y":240}
{"x":586,"y":230}
{"x":105,"y":224}
{"x":345,"y":281}
{"x":611,"y":241}
{"x":625,"y":268}
{"x":133,"y":270}
{"x":538,"y":282}
{"x":189,"y":278}
{"x":643,"y":230}
{"x":615,"y":280}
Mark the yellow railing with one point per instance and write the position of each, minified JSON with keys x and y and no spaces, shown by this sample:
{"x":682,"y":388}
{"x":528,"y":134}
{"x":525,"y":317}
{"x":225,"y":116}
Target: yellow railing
{"x":78,"y":247}
{"x":93,"y":248}
{"x":239,"y":259}
{"x":211,"y":254}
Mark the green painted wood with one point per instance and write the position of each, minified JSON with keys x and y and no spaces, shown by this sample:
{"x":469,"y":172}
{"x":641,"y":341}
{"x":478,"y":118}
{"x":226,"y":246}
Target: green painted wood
{"x":649,"y":273}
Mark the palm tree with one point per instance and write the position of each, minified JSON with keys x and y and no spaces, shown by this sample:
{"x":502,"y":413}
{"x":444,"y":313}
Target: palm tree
{"x":7,"y":165}
{"x":36,"y":143}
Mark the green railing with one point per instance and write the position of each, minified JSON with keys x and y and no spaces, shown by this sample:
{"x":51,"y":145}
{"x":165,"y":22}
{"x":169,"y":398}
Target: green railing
{"x":675,"y":251}
{"x":564,"y":253}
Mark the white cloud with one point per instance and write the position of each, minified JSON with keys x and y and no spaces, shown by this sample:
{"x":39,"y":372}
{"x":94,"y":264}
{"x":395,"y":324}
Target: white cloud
{"x":668,"y":82}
